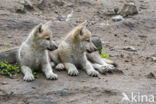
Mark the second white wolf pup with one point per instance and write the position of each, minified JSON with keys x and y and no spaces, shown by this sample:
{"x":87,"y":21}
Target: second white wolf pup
{"x":33,"y":53}
{"x":72,"y":51}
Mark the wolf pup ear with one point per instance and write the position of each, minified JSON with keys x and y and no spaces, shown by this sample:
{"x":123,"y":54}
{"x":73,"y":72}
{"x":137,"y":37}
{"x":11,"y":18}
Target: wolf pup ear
{"x":79,"y":29}
{"x":40,"y":28}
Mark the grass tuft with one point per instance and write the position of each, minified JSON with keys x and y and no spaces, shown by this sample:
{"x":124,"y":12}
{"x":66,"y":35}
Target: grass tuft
{"x":8,"y":69}
{"x":35,"y":74}
{"x":11,"y":70}
{"x":103,"y":55}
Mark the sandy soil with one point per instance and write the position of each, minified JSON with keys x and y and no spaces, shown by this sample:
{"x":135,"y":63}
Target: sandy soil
{"x":138,"y":70}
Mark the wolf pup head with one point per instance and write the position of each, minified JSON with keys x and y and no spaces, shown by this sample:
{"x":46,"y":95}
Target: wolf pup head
{"x":43,"y":37}
{"x":83,"y":36}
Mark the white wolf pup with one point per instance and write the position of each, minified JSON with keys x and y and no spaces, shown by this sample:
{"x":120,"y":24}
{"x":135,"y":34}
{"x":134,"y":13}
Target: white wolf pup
{"x":72,"y":51}
{"x":33,"y":53}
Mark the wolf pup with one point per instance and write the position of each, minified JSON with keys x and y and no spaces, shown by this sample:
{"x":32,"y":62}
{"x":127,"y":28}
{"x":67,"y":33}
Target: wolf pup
{"x":72,"y":51}
{"x":33,"y":53}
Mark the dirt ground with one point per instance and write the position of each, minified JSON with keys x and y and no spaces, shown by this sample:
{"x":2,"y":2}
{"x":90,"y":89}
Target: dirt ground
{"x":138,"y":71}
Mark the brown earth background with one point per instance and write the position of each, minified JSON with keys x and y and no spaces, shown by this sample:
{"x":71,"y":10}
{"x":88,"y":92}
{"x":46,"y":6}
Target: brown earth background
{"x":138,"y":71}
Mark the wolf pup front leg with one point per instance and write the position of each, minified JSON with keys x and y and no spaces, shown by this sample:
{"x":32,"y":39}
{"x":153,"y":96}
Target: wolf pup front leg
{"x":46,"y":67}
{"x":87,"y":66}
{"x":28,"y":76}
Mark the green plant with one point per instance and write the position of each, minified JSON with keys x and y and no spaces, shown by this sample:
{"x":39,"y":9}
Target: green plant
{"x":35,"y":74}
{"x":103,"y":55}
{"x":11,"y":70}
{"x":8,"y":69}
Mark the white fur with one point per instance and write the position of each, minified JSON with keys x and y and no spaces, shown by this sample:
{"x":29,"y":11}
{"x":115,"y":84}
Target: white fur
{"x":31,"y":56}
{"x":73,"y":53}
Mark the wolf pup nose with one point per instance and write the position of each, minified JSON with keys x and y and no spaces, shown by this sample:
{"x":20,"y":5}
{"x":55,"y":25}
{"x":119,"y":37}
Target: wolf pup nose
{"x":92,"y":50}
{"x":52,"y":47}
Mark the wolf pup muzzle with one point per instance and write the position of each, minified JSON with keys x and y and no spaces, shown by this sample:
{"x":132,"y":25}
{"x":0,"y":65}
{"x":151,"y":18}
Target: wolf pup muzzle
{"x":52,"y":47}
{"x":91,"y":50}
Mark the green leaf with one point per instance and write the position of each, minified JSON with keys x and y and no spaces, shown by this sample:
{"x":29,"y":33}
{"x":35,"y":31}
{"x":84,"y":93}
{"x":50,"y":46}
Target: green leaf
{"x":35,"y":74}
{"x":8,"y":69}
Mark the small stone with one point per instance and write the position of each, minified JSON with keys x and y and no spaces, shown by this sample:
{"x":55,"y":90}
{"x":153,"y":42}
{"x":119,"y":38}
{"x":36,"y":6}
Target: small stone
{"x":4,"y":83}
{"x":115,"y":35}
{"x":129,"y":48}
{"x":20,"y":9}
{"x":142,"y":36}
{"x":9,"y":36}
{"x":121,"y":55}
{"x":117,"y":18}
{"x":83,"y":80}
{"x":33,"y":87}
{"x":128,"y":9}
{"x":151,"y":75}
{"x":153,"y":58}
{"x":126,"y":61}
{"x":116,"y":10}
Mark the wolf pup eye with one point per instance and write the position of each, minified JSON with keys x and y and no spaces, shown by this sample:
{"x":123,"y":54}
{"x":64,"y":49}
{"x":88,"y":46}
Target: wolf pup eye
{"x":88,"y":40}
{"x":48,"y":38}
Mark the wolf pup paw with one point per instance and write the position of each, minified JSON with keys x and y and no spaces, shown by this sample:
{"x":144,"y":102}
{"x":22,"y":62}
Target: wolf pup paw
{"x":93,"y":73}
{"x":105,"y":68}
{"x":28,"y":77}
{"x":51,"y":76}
{"x":110,"y":67}
{"x":60,"y":67}
{"x":73,"y":72}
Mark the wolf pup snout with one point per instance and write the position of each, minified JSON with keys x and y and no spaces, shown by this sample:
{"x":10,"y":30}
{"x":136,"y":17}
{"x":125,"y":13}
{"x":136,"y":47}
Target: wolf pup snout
{"x":91,"y":48}
{"x":53,"y":46}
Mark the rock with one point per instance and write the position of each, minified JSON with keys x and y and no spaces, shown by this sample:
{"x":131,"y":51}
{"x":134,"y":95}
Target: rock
{"x":31,"y":4}
{"x":117,"y":18}
{"x":129,"y":48}
{"x":40,"y":1}
{"x":28,"y":2}
{"x":151,"y":75}
{"x":4,"y":83}
{"x":110,"y":13}
{"x":142,"y":36}
{"x":97,"y":42}
{"x":33,"y":87}
{"x":9,"y":55}
{"x":9,"y":36}
{"x":20,"y":9}
{"x":116,"y":10}
{"x":59,"y":2}
{"x":128,"y":9}
{"x":153,"y":58}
